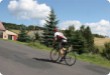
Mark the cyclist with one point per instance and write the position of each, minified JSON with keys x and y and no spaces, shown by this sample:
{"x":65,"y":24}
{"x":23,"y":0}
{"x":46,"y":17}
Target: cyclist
{"x":61,"y":39}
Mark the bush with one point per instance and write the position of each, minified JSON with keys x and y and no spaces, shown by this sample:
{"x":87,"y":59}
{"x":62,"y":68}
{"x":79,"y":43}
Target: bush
{"x":106,"y":51}
{"x":95,"y":50}
{"x":23,"y":37}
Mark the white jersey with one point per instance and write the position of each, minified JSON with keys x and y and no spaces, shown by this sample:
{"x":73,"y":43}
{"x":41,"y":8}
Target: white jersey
{"x":59,"y":34}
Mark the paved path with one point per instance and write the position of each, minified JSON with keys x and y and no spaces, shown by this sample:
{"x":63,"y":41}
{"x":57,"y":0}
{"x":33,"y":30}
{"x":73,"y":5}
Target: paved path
{"x":18,"y":59}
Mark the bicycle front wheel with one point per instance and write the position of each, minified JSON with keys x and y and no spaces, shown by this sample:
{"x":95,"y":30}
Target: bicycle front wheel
{"x":70,"y":60}
{"x":54,"y":55}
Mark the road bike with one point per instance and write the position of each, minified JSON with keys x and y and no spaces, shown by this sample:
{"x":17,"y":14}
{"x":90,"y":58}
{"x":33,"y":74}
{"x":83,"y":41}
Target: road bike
{"x":69,"y":55}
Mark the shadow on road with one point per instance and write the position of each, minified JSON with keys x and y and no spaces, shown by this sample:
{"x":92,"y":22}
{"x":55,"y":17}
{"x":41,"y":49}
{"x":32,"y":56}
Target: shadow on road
{"x":47,"y":60}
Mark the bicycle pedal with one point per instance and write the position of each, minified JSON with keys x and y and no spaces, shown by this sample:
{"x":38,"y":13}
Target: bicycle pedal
{"x":62,"y":59}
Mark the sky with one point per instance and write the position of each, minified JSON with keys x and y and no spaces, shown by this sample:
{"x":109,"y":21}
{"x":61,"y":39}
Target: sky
{"x":92,"y":13}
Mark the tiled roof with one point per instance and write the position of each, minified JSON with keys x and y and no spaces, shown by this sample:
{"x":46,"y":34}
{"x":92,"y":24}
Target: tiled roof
{"x":1,"y":26}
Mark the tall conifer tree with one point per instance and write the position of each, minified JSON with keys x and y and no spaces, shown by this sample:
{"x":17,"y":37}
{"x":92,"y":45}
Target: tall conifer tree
{"x":90,"y":39}
{"x":51,"y":24}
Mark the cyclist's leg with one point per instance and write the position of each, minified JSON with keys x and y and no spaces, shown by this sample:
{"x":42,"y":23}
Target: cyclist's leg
{"x":62,"y":52}
{"x":62,"y":49}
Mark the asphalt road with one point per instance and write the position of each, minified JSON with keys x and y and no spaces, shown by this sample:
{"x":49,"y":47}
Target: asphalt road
{"x":18,"y":59}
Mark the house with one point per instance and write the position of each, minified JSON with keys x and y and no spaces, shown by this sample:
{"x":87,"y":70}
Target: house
{"x":6,"y":34}
{"x":2,"y":29}
{"x":10,"y":35}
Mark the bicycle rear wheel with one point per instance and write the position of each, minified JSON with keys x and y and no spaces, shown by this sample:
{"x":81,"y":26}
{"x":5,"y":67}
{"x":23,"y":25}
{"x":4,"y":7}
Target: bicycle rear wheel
{"x":54,"y":55}
{"x":70,"y":60}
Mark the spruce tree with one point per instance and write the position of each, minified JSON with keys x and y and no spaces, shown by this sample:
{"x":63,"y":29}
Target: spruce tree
{"x":69,"y":32}
{"x":82,"y":32}
{"x":76,"y":39}
{"x":78,"y":42}
{"x":23,"y":37}
{"x":51,"y":24}
{"x":89,"y":38}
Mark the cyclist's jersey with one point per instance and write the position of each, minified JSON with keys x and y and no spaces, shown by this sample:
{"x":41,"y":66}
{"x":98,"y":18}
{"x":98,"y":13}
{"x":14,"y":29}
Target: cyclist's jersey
{"x":60,"y":36}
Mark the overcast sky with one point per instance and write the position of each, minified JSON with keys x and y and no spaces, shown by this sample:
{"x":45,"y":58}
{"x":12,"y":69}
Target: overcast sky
{"x":93,"y":13}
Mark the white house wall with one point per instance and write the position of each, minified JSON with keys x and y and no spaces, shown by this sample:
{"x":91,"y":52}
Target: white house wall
{"x":5,"y":35}
{"x":12,"y":37}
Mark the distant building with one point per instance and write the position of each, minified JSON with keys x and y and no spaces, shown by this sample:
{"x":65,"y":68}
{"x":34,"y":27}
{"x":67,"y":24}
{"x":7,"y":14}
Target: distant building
{"x":6,"y":34}
{"x":10,"y":35}
{"x":2,"y":29}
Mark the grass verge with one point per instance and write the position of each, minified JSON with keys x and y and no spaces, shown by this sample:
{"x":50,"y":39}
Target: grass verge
{"x":38,"y":45}
{"x":95,"y":59}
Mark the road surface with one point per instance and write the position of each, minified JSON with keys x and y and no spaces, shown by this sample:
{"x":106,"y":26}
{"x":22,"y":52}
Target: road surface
{"x":18,"y":59}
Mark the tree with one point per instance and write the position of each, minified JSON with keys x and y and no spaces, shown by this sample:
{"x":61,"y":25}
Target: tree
{"x":99,"y":36}
{"x":69,"y":32}
{"x":12,"y":26}
{"x":76,"y":39}
{"x":51,"y":24}
{"x":106,"y":51}
{"x":31,"y":27}
{"x":89,"y":39}
{"x":23,"y":37}
{"x":37,"y":36}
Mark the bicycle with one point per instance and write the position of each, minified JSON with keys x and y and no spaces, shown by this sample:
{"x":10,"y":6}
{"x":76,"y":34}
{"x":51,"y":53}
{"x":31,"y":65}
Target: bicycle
{"x":69,"y":55}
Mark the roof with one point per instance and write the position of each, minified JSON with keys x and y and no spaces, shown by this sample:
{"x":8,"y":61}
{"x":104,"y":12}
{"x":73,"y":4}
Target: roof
{"x":2,"y":27}
{"x":10,"y":33}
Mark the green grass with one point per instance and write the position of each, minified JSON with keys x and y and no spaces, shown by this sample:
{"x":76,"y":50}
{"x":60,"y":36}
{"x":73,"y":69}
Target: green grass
{"x":100,"y":48}
{"x":13,"y":41}
{"x":35,"y":45}
{"x":95,"y":59}
{"x":38,"y":45}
